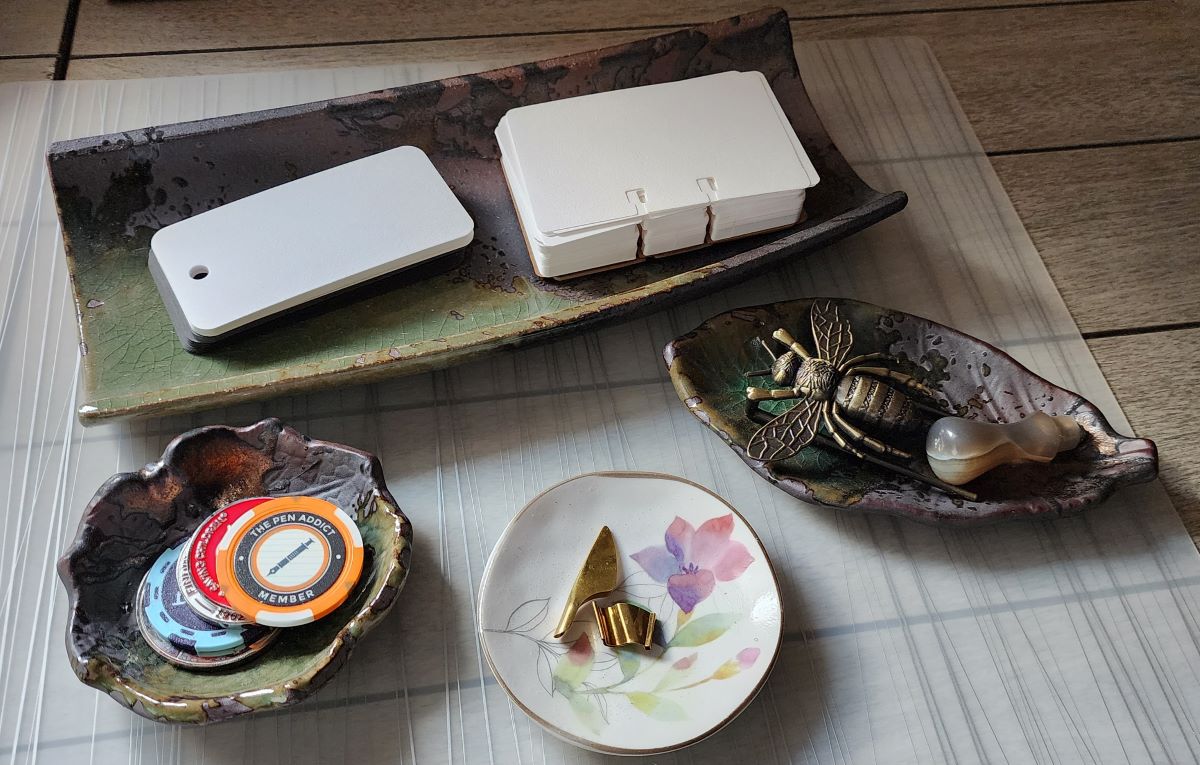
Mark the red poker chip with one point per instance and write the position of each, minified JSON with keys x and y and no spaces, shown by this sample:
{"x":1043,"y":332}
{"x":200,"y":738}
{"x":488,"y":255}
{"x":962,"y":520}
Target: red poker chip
{"x":202,"y":555}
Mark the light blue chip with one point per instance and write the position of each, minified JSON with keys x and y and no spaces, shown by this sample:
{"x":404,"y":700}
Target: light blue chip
{"x":170,"y":615}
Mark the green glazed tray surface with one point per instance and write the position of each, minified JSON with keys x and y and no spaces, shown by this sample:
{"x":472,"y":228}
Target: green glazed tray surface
{"x":113,"y":192}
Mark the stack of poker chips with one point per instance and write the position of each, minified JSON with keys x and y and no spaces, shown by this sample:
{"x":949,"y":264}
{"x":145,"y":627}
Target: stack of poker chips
{"x":251,"y":568}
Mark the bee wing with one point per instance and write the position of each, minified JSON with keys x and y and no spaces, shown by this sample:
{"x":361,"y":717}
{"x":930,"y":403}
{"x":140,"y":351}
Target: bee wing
{"x":787,"y":434}
{"x":831,"y":332}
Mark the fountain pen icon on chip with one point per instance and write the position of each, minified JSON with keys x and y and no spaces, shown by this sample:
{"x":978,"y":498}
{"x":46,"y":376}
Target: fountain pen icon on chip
{"x":290,"y":557}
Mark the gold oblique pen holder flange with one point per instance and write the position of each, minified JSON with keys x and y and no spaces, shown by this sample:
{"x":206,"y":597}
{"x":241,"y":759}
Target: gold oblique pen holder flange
{"x":622,"y":623}
{"x":625,"y":624}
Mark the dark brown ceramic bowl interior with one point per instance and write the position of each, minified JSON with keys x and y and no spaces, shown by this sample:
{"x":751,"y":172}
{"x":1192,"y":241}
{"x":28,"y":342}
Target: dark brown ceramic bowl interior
{"x":134,"y":517}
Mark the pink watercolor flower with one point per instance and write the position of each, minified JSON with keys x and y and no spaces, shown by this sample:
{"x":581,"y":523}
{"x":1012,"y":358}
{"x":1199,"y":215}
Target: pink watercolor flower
{"x":580,"y":653}
{"x":694,"y":560}
{"x":686,"y":662}
{"x":746,"y":657}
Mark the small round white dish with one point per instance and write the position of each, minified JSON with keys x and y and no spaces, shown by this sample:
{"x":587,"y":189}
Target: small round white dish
{"x":685,"y":554}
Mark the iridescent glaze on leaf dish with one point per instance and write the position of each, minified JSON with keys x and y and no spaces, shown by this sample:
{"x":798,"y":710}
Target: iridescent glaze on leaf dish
{"x":134,"y":517}
{"x":708,"y":368}
{"x":113,"y":192}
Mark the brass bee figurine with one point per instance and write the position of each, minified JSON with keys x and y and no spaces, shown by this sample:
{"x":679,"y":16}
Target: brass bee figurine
{"x":848,"y":396}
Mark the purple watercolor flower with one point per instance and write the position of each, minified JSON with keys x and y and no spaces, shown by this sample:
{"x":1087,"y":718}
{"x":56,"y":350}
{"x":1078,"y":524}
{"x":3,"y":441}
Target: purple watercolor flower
{"x":694,"y":560}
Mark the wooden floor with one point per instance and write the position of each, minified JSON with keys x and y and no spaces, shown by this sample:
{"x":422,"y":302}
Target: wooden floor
{"x":1090,"y":111}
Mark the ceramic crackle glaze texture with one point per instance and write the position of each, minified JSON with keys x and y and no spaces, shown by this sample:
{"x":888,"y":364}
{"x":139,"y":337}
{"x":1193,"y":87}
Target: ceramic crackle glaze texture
{"x":134,"y":517}
{"x":114,"y":191}
{"x":709,"y":366}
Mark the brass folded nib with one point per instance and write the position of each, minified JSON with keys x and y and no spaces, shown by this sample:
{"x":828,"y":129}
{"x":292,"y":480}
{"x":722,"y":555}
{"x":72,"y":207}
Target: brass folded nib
{"x":620,"y":623}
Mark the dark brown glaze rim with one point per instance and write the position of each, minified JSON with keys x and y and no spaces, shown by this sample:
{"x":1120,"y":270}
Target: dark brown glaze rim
{"x":113,"y":191}
{"x":92,"y":651}
{"x":1118,"y":460}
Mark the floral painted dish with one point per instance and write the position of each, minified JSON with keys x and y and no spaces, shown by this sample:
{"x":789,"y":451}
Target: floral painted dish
{"x":134,"y":517}
{"x":709,"y":367}
{"x":684,"y":554}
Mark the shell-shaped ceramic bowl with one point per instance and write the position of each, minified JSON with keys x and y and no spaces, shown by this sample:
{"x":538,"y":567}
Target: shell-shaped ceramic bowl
{"x":709,"y":364}
{"x":134,"y":517}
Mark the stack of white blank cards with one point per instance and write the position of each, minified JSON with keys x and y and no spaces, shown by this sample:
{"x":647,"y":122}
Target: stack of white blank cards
{"x":606,"y":179}
{"x":228,"y":269}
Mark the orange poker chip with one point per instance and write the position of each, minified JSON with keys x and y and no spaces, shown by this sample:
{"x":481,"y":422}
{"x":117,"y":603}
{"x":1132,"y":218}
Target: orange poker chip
{"x":290,"y":561}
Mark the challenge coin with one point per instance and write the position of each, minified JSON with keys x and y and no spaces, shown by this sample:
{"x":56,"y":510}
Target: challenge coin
{"x":197,"y":600}
{"x":170,"y":616}
{"x":182,"y":657}
{"x":201,"y":557}
{"x":290,"y":561}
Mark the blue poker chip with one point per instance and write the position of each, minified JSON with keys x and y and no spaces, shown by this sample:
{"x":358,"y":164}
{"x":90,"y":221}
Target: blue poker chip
{"x":168,"y":614}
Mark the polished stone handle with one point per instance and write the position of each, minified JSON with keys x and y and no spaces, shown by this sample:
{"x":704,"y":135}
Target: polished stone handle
{"x":962,"y":450}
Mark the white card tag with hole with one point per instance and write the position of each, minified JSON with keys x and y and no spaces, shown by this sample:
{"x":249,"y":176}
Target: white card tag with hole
{"x":237,"y":265}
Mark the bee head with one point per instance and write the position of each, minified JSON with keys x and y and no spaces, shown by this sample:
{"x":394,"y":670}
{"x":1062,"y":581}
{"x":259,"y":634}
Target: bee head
{"x":783,"y":371}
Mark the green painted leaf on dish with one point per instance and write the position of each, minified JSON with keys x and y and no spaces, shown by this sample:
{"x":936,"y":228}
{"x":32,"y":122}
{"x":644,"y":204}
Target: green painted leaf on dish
{"x":677,"y":673}
{"x":657,"y":707}
{"x":704,"y":629}
{"x":629,"y":662}
{"x":586,"y":708}
{"x":576,"y":664}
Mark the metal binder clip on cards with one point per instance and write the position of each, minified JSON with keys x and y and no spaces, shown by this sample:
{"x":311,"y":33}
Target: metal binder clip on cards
{"x":621,"y":623}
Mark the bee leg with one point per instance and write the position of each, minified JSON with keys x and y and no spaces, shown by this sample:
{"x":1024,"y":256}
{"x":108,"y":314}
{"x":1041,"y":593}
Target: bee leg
{"x":859,"y":436}
{"x":954,"y":491}
{"x":842,"y":443}
{"x":937,"y":411}
{"x":785,"y":337}
{"x":765,"y":394}
{"x":837,"y":437}
{"x":861,"y":359}
{"x":758,"y":373}
{"x":906,"y":380}
{"x":755,"y":413}
{"x":767,"y":348}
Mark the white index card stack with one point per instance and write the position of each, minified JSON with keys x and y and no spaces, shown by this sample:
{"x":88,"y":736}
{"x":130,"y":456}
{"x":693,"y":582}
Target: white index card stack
{"x":608,"y":178}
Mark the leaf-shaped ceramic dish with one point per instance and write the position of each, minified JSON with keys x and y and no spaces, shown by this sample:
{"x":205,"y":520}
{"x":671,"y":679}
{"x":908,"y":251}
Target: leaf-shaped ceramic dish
{"x":135,"y":516}
{"x":113,"y":192}
{"x":708,"y":367}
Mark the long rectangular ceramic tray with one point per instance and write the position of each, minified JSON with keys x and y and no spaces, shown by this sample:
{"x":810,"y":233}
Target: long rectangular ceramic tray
{"x":113,"y":192}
